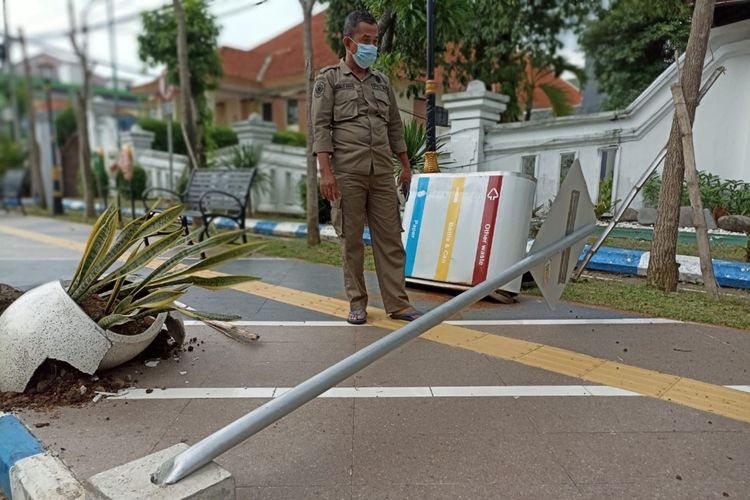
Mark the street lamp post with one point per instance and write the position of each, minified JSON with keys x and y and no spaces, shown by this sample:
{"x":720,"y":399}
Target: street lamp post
{"x":47,"y":73}
{"x":430,"y":156}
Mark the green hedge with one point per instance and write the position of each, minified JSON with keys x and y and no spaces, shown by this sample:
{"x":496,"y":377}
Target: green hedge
{"x":290,"y":138}
{"x":139,"y":182}
{"x":734,"y":195}
{"x":220,"y":136}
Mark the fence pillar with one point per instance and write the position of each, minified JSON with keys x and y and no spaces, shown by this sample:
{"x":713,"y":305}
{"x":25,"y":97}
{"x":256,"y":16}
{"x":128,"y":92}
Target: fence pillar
{"x":470,"y":113}
{"x":140,"y":140}
{"x":254,"y":130}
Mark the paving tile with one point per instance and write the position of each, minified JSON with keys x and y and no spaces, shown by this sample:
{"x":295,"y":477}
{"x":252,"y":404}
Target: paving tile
{"x":655,"y":456}
{"x":621,"y":414}
{"x":464,"y":491}
{"x":96,"y":438}
{"x":333,"y":492}
{"x":310,"y":447}
{"x":666,"y":490}
{"x":715,"y":355}
{"x":442,"y":416}
{"x":426,"y":458}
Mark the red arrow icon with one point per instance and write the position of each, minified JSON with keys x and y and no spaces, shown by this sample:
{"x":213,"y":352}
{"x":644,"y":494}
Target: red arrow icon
{"x":493,"y":194}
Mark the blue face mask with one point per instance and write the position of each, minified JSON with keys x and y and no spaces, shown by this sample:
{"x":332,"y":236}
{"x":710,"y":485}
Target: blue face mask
{"x":365,"y":55}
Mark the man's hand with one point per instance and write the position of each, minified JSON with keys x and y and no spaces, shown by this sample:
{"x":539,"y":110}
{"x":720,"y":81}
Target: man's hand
{"x":405,"y":177}
{"x":328,"y":187}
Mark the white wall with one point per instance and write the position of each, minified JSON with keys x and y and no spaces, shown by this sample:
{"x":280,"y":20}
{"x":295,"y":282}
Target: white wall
{"x":721,"y":133}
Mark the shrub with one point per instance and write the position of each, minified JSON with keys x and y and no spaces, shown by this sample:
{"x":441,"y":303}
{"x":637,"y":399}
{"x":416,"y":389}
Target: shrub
{"x":12,"y":154}
{"x":717,"y":195}
{"x":139,"y":183}
{"x":604,"y":204}
{"x":290,"y":138}
{"x":223,"y":137}
{"x":159,"y":128}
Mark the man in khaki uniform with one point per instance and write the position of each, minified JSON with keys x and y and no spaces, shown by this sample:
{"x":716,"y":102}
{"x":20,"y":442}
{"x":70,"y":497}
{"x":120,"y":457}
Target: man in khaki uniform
{"x":357,"y":131}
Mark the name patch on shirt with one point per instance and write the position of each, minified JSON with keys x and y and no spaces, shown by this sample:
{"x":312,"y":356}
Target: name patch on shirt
{"x":380,"y":86}
{"x":340,"y":86}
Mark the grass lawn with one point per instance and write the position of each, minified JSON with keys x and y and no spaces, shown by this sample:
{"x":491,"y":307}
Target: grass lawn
{"x":689,"y":303}
{"x":325,"y":253}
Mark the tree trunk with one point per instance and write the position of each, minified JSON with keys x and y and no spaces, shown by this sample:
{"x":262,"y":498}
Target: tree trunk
{"x":188,"y":107}
{"x":663,"y":272}
{"x":313,"y":233}
{"x":82,"y":98}
{"x":84,"y":151}
{"x":37,"y":181}
{"x":387,"y":24}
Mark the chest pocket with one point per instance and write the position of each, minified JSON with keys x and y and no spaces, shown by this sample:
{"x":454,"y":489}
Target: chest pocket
{"x":383,"y":101}
{"x":345,"y":106}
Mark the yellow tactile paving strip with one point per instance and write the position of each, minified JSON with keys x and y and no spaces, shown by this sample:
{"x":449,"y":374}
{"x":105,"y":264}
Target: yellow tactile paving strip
{"x":679,"y":390}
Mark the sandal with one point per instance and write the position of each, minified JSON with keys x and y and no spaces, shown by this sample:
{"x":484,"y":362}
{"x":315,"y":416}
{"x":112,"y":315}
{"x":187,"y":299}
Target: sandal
{"x":357,"y":317}
{"x":407,"y":316}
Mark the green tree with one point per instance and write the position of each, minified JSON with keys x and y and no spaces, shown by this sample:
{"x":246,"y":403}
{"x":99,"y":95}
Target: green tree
{"x":157,"y":44}
{"x":403,"y":37}
{"x":514,"y":42}
{"x":632,"y":43}
{"x":12,"y":154}
{"x":495,"y":41}
{"x":66,"y":126}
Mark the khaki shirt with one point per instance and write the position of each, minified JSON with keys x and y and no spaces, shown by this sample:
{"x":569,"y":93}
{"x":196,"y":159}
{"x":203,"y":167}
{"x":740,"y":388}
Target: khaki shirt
{"x":357,"y":121}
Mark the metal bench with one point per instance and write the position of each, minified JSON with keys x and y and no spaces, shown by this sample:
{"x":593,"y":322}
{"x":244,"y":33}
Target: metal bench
{"x":212,"y":193}
{"x":13,"y":182}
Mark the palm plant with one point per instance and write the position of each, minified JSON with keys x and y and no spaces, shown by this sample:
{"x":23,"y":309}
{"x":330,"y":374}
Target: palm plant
{"x":248,"y":156}
{"x":415,"y":136}
{"x":130,"y":297}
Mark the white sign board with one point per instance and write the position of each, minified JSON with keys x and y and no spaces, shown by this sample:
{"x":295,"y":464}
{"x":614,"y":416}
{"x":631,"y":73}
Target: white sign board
{"x":571,"y":210}
{"x":462,"y":228}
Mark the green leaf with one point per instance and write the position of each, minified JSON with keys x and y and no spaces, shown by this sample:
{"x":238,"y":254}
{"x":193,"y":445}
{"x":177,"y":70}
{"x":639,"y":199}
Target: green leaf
{"x":124,"y":304}
{"x":214,"y":283}
{"x":97,"y":245}
{"x":160,"y":221}
{"x":113,"y":295}
{"x":186,"y":252}
{"x":218,"y":259}
{"x":139,"y":260}
{"x":203,"y":315}
{"x":108,"y":322}
{"x":125,"y":240}
{"x":558,"y":98}
{"x":157,"y":299}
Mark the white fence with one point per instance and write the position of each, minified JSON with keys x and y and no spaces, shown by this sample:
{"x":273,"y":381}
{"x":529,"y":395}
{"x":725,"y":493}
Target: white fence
{"x":281,"y":168}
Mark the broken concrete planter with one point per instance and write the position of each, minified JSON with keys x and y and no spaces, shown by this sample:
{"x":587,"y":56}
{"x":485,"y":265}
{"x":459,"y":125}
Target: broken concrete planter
{"x":46,"y":323}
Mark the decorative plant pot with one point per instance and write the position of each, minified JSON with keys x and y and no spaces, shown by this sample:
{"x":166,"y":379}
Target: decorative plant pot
{"x":45,"y":323}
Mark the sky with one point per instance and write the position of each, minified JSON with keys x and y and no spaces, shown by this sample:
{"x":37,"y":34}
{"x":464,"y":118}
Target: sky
{"x":244,"y":24}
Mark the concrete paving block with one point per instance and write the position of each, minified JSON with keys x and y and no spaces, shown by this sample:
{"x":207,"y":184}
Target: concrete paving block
{"x":44,"y":477}
{"x":132,"y":481}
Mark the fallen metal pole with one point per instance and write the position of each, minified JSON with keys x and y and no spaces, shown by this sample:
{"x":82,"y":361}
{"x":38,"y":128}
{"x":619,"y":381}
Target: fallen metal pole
{"x":639,"y":185}
{"x":224,"y":439}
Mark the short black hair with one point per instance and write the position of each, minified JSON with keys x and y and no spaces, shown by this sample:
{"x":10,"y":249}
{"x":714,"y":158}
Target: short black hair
{"x":354,"y":18}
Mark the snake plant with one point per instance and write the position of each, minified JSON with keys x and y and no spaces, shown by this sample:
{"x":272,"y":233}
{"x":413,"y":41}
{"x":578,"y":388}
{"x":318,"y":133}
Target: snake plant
{"x":131,"y":292}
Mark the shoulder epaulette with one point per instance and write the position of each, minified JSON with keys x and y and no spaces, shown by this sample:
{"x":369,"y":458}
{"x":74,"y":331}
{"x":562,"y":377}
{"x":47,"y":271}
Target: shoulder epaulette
{"x":327,"y":68}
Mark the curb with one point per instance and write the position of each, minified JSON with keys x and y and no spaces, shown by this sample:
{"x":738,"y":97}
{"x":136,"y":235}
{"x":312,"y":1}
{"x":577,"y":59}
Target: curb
{"x":635,"y":262}
{"x":16,"y":443}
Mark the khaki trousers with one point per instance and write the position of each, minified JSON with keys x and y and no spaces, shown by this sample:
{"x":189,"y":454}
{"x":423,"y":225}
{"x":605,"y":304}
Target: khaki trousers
{"x":373,"y":198}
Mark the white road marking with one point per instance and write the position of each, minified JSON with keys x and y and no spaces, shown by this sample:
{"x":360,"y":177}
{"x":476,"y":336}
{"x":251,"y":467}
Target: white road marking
{"x":474,"y":322}
{"x":514,"y":391}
